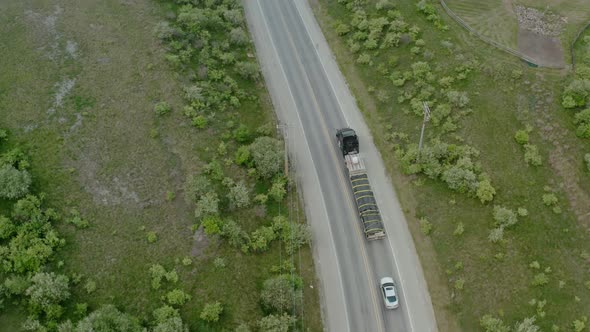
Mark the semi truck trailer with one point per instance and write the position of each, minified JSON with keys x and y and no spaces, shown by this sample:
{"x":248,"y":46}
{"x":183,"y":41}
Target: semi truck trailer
{"x":364,"y":197}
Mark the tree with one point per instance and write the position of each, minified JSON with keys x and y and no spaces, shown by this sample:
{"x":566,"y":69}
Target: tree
{"x":582,"y":119}
{"x":211,"y":312}
{"x":279,"y":294}
{"x":7,"y":228}
{"x":267,"y":154}
{"x":238,"y":195}
{"x":108,"y":319}
{"x":14,"y":183}
{"x":47,"y":289}
{"x":276,"y":323}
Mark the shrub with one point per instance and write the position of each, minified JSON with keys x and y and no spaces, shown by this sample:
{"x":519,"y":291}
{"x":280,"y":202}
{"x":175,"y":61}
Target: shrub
{"x":267,"y":154}
{"x":277,"y":191}
{"x":162,"y":108}
{"x":242,"y":155}
{"x":16,"y":285}
{"x":485,"y":191}
{"x":157,"y":272}
{"x":238,"y":36}
{"x":242,"y":134}
{"x":90,"y":286}
{"x":163,"y":30}
{"x":177,"y":297}
{"x":187,"y":261}
{"x":458,"y":99}
{"x":294,"y":235}
{"x":279,"y":294}
{"x":234,"y":233}
{"x":262,"y":237}
{"x":248,"y":70}
{"x":199,"y":121}
{"x":195,"y":187}
{"x":276,"y":323}
{"x":219,"y":263}
{"x":492,"y":324}
{"x":582,"y":119}
{"x":587,"y":160}
{"x":521,"y":137}
{"x":212,"y":225}
{"x":540,"y":279}
{"x":522,"y":212}
{"x":363,"y":59}
{"x":459,"y":229}
{"x":504,"y":217}
{"x":496,"y":235}
{"x":260,"y":199}
{"x":531,"y":155}
{"x":576,"y":94}
{"x":342,"y":29}
{"x":459,"y":283}
{"x":425,"y":226}
{"x":14,"y":183}
{"x":549,"y":199}
{"x":208,"y":204}
{"x":238,"y":195}
{"x":211,"y":312}
{"x":152,"y":237}
{"x":108,"y":318}
{"x":526,"y":325}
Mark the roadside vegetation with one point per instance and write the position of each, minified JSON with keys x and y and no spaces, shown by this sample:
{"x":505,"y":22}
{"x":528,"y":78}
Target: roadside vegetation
{"x":498,"y":197}
{"x":141,"y":176}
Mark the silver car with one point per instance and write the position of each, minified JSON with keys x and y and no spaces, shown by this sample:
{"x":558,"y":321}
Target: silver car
{"x":389,"y":294}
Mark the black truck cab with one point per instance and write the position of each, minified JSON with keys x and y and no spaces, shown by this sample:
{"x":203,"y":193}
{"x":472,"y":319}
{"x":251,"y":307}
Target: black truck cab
{"x":347,"y":141}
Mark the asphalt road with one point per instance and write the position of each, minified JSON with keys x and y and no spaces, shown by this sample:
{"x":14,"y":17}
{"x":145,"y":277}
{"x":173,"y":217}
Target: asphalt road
{"x":311,"y":97}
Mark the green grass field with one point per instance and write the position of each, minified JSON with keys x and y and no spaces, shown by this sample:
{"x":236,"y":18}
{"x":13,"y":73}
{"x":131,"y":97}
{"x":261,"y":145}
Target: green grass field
{"x":77,"y":91}
{"x":497,"y":278}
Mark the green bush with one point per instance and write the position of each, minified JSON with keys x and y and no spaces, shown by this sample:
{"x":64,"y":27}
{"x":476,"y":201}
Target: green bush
{"x":152,"y":237}
{"x":460,"y":229}
{"x":90,"y":286}
{"x":521,"y":137}
{"x":14,"y":183}
{"x":267,"y":155}
{"x":211,"y":312}
{"x":492,"y":324}
{"x":277,"y":191}
{"x":425,"y":226}
{"x":177,"y":297}
{"x":7,"y":228}
{"x":239,"y":195}
{"x":195,"y":187}
{"x":280,"y":294}
{"x":531,"y":155}
{"x":236,"y":236}
{"x":576,"y":94}
{"x":248,"y":70}
{"x":262,"y":237}
{"x":293,"y":234}
{"x":504,"y":217}
{"x":108,"y":318}
{"x":276,"y":323}
{"x":212,"y":225}
{"x":549,"y":199}
{"x":496,"y":234}
{"x":485,"y":191}
{"x":242,"y":155}
{"x":162,"y":108}
{"x":242,"y":134}
{"x":208,"y":204}
{"x":540,"y":279}
{"x":582,"y":119}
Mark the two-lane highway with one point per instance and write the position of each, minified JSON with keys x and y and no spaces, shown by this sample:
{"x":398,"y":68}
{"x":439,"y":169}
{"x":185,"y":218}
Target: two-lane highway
{"x":308,"y":99}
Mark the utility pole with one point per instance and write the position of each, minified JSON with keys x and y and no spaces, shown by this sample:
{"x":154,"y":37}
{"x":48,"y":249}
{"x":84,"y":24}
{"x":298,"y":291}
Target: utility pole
{"x":426,"y":119}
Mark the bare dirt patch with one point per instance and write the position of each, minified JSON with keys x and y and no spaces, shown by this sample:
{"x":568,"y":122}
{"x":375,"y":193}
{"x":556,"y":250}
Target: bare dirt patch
{"x":546,"y":51}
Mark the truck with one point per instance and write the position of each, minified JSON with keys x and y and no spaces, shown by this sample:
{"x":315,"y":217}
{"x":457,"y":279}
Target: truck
{"x":364,"y":197}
